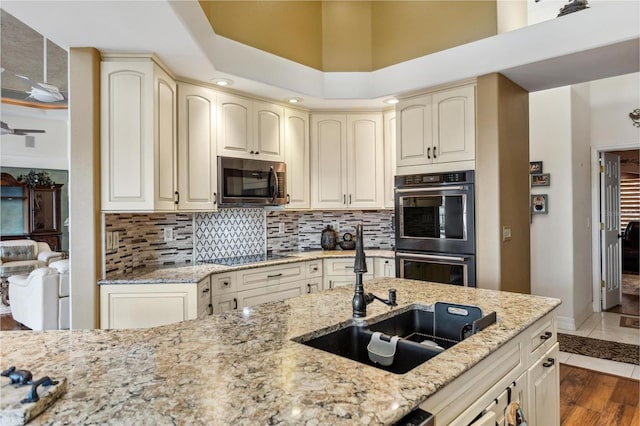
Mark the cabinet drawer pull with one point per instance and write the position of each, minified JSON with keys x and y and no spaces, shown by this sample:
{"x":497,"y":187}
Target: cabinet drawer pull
{"x":330,"y":284}
{"x":546,"y":336}
{"x":309,"y":288}
{"x":274,"y":275}
{"x":288,"y":199}
{"x":349,"y":198}
{"x":225,"y":283}
{"x":549,"y":362}
{"x":344,"y":198}
{"x":315,"y":269}
{"x":429,"y":153}
{"x":206,"y":290}
{"x":235,"y":303}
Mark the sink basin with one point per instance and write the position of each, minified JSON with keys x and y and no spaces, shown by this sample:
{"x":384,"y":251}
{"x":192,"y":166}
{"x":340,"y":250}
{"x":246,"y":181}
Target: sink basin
{"x":351,"y":342}
{"x":424,"y":332}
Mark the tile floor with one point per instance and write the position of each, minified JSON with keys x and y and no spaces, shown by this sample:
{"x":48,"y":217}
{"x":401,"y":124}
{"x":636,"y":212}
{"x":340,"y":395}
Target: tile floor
{"x":604,"y":326}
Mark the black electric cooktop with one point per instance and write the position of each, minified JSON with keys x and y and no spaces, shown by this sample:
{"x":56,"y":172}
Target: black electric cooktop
{"x":242,"y":260}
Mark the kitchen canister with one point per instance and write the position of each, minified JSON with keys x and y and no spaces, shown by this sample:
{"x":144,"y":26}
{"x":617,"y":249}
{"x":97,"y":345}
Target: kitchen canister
{"x":328,"y":238}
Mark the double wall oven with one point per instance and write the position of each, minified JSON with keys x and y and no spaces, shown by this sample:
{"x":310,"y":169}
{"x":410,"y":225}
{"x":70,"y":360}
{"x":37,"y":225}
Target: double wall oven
{"x":435,"y":227}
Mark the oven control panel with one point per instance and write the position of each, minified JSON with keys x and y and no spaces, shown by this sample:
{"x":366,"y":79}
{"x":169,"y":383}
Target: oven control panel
{"x":435,"y":178}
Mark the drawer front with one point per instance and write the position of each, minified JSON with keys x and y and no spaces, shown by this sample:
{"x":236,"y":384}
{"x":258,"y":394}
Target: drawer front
{"x":204,"y":297}
{"x":342,"y":266}
{"x":314,"y":268}
{"x":543,"y":336}
{"x":224,"y":283}
{"x":270,"y":275}
{"x":271,"y":293}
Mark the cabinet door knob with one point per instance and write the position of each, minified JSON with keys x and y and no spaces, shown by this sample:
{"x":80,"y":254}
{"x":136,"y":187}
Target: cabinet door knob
{"x":235,"y":303}
{"x":251,"y":152}
{"x":549,"y":362}
{"x":429,"y":153}
{"x":206,"y":290}
{"x":225,"y":283}
{"x":546,"y":336}
{"x":257,"y":153}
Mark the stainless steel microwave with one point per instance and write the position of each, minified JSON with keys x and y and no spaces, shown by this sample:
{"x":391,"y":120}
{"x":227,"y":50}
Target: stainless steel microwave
{"x":244,"y":182}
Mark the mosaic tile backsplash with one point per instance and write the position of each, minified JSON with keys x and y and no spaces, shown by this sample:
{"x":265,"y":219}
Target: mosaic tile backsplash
{"x":302,"y":230}
{"x":229,"y":232}
{"x":232,"y":232}
{"x":142,"y":241}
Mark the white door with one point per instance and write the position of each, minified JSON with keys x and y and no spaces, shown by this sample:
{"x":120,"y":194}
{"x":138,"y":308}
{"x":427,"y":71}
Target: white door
{"x":197,"y":166}
{"x":610,"y":261}
{"x":365,"y":167}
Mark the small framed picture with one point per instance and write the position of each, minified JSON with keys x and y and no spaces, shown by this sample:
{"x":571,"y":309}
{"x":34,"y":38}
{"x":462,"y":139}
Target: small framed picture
{"x":535,"y":167}
{"x":543,"y":179}
{"x":539,"y":204}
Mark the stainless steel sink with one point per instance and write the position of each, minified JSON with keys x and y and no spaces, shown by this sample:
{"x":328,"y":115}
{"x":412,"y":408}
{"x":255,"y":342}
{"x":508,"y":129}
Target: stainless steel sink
{"x":424,"y":331}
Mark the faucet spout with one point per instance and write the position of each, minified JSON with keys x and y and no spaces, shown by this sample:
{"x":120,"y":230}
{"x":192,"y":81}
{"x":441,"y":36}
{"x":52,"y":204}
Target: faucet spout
{"x":359,"y":302}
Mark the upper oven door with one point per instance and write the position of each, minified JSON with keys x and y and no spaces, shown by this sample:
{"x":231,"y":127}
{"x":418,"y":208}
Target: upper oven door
{"x":251,"y":181}
{"x":437,"y":218}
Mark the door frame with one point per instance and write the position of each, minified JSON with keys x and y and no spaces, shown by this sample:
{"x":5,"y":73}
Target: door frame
{"x":595,"y":217}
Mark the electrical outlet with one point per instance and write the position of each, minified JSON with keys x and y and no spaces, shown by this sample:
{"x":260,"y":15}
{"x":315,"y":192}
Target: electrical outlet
{"x":168,"y":234}
{"x":334,"y":225}
{"x":281,"y":228}
{"x":115,"y":241}
{"x":506,"y":233}
{"x":109,"y":240}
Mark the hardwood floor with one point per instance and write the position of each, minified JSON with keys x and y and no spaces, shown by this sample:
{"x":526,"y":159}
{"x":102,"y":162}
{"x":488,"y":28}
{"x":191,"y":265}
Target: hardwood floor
{"x":591,"y":398}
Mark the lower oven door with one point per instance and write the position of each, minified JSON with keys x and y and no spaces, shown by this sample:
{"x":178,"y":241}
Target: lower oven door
{"x":456,"y":269}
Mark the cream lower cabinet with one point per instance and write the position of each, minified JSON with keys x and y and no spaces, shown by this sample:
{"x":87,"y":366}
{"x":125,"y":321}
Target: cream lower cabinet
{"x":522,"y":370}
{"x":151,"y":305}
{"x":224,"y":297}
{"x":339,"y":272}
{"x":384,"y":268}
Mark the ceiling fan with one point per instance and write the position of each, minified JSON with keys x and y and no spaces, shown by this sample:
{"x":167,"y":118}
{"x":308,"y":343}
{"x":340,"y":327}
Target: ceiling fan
{"x":43,"y":91}
{"x":6,"y":130}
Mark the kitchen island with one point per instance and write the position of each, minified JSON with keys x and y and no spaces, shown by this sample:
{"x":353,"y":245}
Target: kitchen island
{"x":243,"y":368}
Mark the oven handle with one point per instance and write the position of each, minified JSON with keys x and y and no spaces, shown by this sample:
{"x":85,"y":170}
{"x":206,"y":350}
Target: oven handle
{"x":430,"y":257}
{"x":275,"y":184}
{"x":430,"y":189}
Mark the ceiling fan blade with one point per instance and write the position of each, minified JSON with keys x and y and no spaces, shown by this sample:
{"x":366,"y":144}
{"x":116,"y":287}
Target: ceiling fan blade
{"x":25,"y":131}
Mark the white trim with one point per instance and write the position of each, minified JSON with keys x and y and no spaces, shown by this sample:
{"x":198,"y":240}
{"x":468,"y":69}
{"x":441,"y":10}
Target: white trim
{"x":567,"y":323}
{"x":595,"y":217}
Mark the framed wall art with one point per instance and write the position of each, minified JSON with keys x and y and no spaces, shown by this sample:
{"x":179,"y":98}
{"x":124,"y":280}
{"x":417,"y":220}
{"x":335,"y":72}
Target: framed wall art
{"x":543,"y":179}
{"x":539,"y":204}
{"x":535,"y":167}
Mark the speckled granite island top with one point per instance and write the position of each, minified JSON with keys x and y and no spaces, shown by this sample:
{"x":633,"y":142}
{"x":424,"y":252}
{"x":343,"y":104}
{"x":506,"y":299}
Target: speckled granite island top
{"x":243,"y":368}
{"x":194,"y":273}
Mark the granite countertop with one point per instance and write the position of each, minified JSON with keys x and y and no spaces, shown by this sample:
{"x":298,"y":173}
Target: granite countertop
{"x":195,"y":273}
{"x":243,"y":368}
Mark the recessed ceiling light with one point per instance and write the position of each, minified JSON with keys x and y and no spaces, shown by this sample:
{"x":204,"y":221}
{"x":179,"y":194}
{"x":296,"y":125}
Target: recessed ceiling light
{"x":294,"y":100}
{"x":391,"y":101}
{"x":222,"y":82}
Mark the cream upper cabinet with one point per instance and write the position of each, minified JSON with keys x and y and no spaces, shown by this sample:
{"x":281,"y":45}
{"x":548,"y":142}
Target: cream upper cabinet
{"x":436,"y":130}
{"x":389,"y":118}
{"x":138,"y":136}
{"x":346,"y":161}
{"x":197,"y":175}
{"x":454,"y":125}
{"x":328,"y":161}
{"x":413,"y":131}
{"x":296,"y":155}
{"x":250,"y":129}
{"x":268,"y":131}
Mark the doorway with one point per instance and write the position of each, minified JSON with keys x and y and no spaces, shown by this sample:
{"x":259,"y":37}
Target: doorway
{"x":616,"y":218}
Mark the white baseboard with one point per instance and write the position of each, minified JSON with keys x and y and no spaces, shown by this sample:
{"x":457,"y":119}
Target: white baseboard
{"x":567,"y":323}
{"x":573,"y":323}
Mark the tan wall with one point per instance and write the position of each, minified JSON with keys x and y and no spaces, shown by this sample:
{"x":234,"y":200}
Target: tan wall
{"x":84,"y":186}
{"x":352,"y":35}
{"x":502,"y":184}
{"x":404,"y":30}
{"x":346,"y":36}
{"x":291,"y":29}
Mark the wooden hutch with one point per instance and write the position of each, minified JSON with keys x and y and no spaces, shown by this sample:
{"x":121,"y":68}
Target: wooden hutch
{"x":30,"y":212}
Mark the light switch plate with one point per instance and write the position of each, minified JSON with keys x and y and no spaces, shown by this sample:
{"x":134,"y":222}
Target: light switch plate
{"x":281,"y":228}
{"x":506,"y":233}
{"x":168,"y":234}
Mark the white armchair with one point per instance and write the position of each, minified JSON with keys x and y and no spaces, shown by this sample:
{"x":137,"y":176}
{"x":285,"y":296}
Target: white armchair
{"x":40,"y":300}
{"x":23,"y":256}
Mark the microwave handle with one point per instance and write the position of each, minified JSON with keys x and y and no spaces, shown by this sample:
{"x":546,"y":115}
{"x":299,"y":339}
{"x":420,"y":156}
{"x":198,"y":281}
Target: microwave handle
{"x":275,"y":184}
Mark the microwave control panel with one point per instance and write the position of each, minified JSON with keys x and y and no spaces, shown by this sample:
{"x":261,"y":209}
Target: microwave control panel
{"x":435,"y":178}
